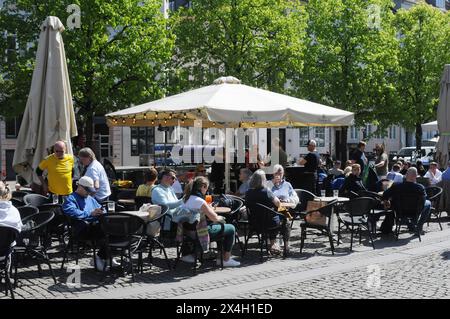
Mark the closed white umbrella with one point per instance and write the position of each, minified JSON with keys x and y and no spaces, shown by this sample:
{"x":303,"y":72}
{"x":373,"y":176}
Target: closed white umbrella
{"x":49,"y":114}
{"x":443,"y":118}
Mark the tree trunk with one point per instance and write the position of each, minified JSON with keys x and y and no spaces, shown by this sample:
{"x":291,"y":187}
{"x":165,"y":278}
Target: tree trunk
{"x":418,"y":136}
{"x":342,"y":145}
{"x":89,"y":129}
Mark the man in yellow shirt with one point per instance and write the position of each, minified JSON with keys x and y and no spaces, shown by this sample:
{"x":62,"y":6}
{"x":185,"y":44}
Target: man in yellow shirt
{"x":59,"y":167}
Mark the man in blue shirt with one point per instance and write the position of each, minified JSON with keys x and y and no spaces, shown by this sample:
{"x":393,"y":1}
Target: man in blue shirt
{"x":410,"y":187}
{"x":446,"y":174}
{"x":81,"y":205}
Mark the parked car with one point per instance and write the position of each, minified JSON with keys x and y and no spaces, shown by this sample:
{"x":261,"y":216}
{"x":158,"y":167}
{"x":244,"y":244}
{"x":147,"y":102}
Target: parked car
{"x":409,"y":154}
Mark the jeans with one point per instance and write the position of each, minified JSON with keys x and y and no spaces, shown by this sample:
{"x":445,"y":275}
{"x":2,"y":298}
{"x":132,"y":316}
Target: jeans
{"x":228,"y":235}
{"x":424,"y":215}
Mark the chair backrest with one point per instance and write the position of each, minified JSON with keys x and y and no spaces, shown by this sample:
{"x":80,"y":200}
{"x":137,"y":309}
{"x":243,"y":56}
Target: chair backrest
{"x":260,"y":217}
{"x":26,"y":211}
{"x":37,"y":222}
{"x":327,"y":210}
{"x":121,"y":225}
{"x":17,"y":202}
{"x":141,"y":200}
{"x":304,"y":196}
{"x":36,"y":200}
{"x":7,"y":236}
{"x":408,"y":205}
{"x":360,"y":206}
{"x":434,"y":193}
{"x":19,"y":194}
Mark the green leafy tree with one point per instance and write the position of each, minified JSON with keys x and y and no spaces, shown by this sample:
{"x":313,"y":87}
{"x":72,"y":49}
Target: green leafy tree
{"x":258,"y":41}
{"x":350,"y":59}
{"x":424,"y":49}
{"x":116,"y":58}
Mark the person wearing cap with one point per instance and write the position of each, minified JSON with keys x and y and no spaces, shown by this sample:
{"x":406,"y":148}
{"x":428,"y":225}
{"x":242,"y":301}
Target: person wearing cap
{"x":409,"y":187}
{"x":81,"y":205}
{"x":96,"y":171}
{"x":59,"y":167}
{"x":311,"y":161}
{"x":434,"y":174}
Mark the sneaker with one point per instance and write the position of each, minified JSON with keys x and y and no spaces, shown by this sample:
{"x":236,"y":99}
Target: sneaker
{"x":188,"y":259}
{"x":100,"y":264}
{"x":230,"y":263}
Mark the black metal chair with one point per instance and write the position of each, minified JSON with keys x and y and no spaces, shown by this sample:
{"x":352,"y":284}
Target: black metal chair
{"x":19,"y":195}
{"x":407,"y":207}
{"x":191,"y":244}
{"x":26,"y":211}
{"x":124,"y":234}
{"x":153,"y":239}
{"x":234,"y":218}
{"x":300,"y":211}
{"x":57,"y":228}
{"x":325,"y":213}
{"x":434,"y":194}
{"x":31,"y":241}
{"x":355,"y":216}
{"x":36,"y":200}
{"x":77,"y":240}
{"x":378,"y":209}
{"x":260,"y":219}
{"x":7,"y":237}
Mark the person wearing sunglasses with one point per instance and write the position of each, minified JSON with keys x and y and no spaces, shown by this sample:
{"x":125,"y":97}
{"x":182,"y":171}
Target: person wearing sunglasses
{"x":59,"y":167}
{"x":164,"y":194}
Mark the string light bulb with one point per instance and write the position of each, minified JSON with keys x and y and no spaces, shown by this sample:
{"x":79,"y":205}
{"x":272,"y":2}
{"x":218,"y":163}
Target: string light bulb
{"x":156,"y":115}
{"x":123,"y":121}
{"x":145,"y":116}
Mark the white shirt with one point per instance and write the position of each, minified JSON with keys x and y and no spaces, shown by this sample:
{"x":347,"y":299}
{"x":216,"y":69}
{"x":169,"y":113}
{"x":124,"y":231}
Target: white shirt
{"x":194,"y":203}
{"x":434,"y":179}
{"x":10,"y":216}
{"x":96,"y":171}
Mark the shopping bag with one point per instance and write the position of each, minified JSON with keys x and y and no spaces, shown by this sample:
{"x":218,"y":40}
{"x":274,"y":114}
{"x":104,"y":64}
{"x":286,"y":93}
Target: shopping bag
{"x":316,"y":218}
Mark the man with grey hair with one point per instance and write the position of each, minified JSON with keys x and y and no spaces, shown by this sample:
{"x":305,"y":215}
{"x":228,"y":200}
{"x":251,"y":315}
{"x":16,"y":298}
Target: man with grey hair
{"x":409,"y":187}
{"x":59,"y":167}
{"x":95,"y":170}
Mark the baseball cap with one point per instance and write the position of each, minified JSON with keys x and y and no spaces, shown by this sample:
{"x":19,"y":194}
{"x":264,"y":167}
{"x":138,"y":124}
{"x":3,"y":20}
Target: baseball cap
{"x":87,"y":183}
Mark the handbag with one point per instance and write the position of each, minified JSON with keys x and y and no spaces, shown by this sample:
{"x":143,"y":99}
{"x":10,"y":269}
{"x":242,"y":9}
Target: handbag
{"x":315,"y":217}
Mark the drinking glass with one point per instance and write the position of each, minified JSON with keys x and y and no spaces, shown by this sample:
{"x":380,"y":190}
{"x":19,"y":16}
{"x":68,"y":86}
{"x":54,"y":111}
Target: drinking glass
{"x":208,"y":199}
{"x":111,"y":207}
{"x":55,"y":199}
{"x":322,"y":193}
{"x":336,"y":193}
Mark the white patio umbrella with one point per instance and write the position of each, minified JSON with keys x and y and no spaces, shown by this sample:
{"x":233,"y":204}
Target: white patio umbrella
{"x":443,"y":119}
{"x":49,"y":114}
{"x":228,"y":103}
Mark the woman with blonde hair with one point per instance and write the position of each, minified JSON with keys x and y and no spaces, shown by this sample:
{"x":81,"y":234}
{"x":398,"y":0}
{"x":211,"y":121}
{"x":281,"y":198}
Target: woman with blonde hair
{"x":9,"y":215}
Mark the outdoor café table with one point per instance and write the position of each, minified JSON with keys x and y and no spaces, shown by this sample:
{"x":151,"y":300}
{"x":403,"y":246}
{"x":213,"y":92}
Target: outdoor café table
{"x":124,"y":201}
{"x":222,"y":210}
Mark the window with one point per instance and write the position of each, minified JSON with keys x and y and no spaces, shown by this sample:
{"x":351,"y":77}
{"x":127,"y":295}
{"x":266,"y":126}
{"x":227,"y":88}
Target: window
{"x":13,"y":127}
{"x":440,"y":4}
{"x":392,"y":132}
{"x":353,"y":133}
{"x":142,"y":140}
{"x":304,"y":136}
{"x":319,"y":135}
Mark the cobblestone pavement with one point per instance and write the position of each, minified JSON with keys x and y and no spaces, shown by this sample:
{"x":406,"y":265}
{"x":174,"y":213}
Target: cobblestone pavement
{"x":405,"y":268}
